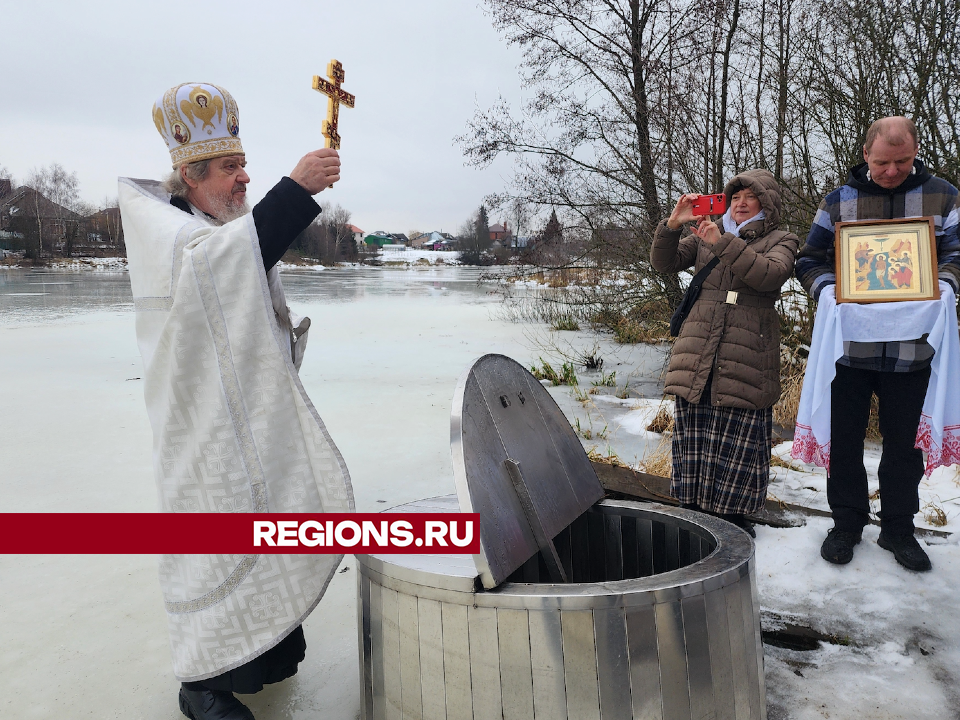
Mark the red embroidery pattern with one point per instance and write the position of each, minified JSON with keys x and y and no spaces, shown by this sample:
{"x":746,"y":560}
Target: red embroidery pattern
{"x":807,"y":449}
{"x":938,"y":455}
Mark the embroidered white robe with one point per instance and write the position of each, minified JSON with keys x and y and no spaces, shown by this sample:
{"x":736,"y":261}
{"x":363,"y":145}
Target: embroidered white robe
{"x":233,"y":428}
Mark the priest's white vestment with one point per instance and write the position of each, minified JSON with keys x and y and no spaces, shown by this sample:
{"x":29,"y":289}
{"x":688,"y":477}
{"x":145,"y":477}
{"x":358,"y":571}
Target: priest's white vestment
{"x":233,"y":428}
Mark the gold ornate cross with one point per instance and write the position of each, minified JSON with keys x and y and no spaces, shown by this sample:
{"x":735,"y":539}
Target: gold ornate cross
{"x":331,"y":88}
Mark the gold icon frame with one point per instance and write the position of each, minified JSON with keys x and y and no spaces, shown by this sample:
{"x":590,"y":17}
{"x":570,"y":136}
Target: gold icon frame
{"x":886,"y":260}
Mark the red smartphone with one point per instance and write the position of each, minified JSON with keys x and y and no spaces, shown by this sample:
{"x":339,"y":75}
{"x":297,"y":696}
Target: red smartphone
{"x":710,"y":205}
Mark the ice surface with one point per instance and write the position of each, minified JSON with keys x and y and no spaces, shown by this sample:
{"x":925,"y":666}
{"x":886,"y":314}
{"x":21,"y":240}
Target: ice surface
{"x":85,"y":636}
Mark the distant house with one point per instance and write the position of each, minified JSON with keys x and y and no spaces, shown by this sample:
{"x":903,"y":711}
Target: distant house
{"x":435,"y":241}
{"x":394,"y":238}
{"x":499,"y":232}
{"x":104,"y":231}
{"x":428,"y":240}
{"x":378,"y":240}
{"x":28,"y":215}
{"x":357,"y":233}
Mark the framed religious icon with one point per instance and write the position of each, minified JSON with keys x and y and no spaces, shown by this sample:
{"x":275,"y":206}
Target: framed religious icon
{"x":886,"y":260}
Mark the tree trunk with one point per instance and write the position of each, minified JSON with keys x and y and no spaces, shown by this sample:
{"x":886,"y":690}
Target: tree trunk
{"x":648,"y":183}
{"x":762,"y":43}
{"x":722,"y":125}
{"x":782,"y":78}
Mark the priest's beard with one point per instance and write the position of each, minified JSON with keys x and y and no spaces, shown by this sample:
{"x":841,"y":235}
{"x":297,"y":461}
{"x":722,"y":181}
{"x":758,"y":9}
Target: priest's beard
{"x":225,"y":208}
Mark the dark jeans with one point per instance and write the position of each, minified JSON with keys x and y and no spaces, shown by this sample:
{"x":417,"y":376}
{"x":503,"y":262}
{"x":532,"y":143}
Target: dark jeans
{"x":900,"y":397}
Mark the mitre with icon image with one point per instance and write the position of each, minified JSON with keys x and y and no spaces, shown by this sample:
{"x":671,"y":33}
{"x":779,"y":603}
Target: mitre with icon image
{"x":198,"y":121}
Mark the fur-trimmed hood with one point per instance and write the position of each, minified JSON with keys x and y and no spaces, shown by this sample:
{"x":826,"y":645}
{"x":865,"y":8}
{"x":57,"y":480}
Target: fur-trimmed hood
{"x":767,"y":190}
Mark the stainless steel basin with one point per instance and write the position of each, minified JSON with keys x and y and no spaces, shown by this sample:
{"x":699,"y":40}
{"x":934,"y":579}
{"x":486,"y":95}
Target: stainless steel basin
{"x":660,"y":621}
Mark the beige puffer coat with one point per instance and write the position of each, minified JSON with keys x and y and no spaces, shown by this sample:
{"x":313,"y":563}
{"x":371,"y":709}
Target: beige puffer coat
{"x":739,"y":342}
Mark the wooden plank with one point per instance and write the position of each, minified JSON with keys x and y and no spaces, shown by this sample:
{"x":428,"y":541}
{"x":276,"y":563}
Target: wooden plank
{"x":636,"y":485}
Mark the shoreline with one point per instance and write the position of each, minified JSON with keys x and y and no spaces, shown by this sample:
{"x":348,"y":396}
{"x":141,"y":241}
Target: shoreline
{"x":395,"y":260}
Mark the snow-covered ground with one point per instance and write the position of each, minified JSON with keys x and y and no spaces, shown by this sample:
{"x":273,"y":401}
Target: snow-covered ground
{"x":614,"y":425}
{"x":411,"y":256}
{"x":90,"y":263}
{"x":898,"y":632}
{"x":390,"y":257}
{"x":807,"y":485}
{"x":85,"y":636}
{"x":396,"y":257}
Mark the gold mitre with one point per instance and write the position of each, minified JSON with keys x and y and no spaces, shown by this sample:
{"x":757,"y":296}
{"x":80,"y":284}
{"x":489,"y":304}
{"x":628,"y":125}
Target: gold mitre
{"x":198,"y":121}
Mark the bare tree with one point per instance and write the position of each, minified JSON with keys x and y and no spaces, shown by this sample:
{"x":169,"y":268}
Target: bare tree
{"x":519,"y":213}
{"x":882,"y":58}
{"x":337,"y":218}
{"x":633,"y":102}
{"x":62,"y":190}
{"x":473,"y":239}
{"x":112,"y":225}
{"x":5,"y":174}
{"x":592,"y":140}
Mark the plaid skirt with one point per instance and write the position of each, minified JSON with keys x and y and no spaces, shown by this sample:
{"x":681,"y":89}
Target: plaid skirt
{"x":721,"y":457}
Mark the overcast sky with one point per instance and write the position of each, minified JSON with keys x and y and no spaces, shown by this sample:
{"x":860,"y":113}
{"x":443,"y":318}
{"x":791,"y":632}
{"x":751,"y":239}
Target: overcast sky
{"x":81,"y":80}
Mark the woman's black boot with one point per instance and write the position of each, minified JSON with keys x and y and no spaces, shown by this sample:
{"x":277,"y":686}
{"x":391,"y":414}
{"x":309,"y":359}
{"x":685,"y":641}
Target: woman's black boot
{"x":741,"y":522}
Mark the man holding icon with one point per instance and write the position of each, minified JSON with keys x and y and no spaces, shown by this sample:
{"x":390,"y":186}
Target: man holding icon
{"x":890,"y":183}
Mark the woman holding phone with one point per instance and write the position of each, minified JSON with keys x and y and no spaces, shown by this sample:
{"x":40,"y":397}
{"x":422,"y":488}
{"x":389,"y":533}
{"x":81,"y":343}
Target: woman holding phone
{"x":725,"y":365}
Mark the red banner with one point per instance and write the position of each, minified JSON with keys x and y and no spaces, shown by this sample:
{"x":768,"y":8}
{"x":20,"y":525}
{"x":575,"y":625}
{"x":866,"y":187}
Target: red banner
{"x":239,"y":533}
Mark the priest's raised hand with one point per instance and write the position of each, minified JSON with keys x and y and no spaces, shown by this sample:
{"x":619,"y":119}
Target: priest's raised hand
{"x":317,"y":170}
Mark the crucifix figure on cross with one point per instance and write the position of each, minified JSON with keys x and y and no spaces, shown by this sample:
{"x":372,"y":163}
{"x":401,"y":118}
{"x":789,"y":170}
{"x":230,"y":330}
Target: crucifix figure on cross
{"x":331,"y":88}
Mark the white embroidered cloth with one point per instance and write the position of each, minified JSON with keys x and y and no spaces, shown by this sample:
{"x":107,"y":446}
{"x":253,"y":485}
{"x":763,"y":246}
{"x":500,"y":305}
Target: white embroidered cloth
{"x":939,"y":432}
{"x":233,"y":428}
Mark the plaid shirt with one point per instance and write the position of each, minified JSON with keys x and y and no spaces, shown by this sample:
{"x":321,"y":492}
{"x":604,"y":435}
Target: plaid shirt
{"x":920,"y":195}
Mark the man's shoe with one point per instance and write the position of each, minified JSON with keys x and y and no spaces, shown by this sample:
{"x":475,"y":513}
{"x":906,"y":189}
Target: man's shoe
{"x":838,"y":547}
{"x":906,"y":550}
{"x":204,"y":704}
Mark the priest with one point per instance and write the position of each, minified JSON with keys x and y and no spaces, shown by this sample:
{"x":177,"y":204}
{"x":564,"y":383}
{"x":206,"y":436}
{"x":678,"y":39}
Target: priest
{"x":233,"y":427}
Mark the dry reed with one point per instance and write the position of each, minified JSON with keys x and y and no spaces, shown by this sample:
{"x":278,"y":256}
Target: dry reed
{"x":777,"y":461}
{"x":934,"y":514}
{"x":659,"y":461}
{"x":791,"y":382}
{"x":662,"y":422}
{"x":611,"y":458}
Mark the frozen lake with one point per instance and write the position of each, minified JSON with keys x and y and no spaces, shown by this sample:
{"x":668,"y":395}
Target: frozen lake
{"x":85,"y":636}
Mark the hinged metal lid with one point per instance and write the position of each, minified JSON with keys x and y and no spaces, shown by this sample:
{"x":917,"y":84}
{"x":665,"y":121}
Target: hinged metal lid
{"x":518,"y":463}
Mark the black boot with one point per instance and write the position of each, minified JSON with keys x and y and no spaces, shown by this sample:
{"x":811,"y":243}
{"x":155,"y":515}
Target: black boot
{"x":741,"y":522}
{"x":200,"y":703}
{"x":838,"y":547}
{"x":906,"y":550}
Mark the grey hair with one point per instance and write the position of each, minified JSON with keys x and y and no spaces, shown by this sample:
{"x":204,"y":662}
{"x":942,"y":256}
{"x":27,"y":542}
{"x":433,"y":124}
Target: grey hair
{"x":177,"y":186}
